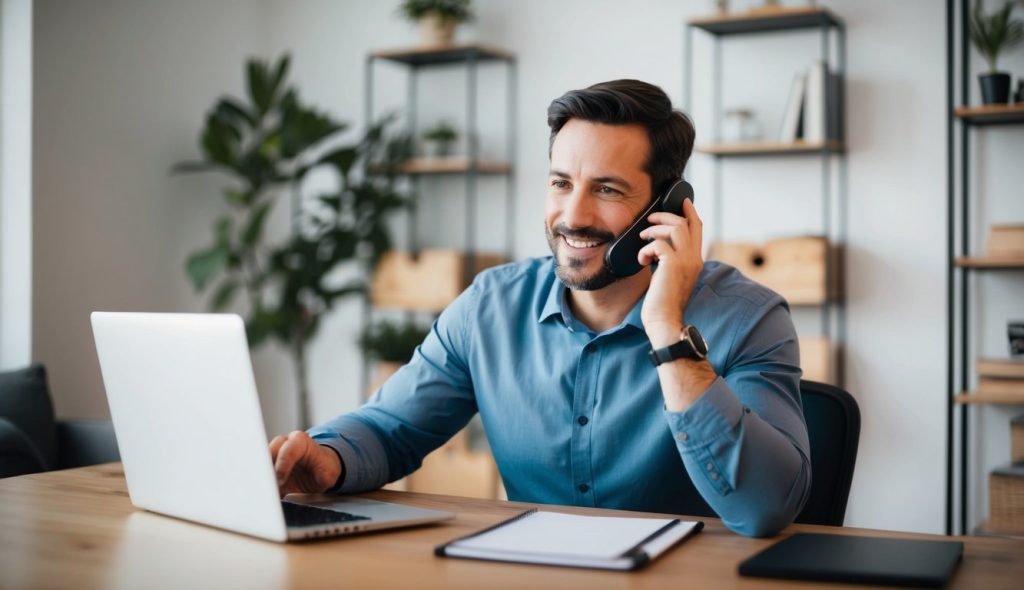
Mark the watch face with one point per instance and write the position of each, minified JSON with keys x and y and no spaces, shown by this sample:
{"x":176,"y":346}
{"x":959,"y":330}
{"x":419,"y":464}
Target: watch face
{"x":693,"y":335}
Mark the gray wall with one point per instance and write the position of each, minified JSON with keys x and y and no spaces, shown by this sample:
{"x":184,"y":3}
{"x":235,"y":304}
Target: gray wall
{"x":121,"y":88}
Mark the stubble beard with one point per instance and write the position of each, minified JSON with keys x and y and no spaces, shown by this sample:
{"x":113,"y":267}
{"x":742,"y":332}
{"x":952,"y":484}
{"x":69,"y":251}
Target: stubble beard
{"x":570,"y":273}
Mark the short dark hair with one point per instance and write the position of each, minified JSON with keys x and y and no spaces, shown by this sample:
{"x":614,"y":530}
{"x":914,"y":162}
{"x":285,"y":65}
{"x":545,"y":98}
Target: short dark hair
{"x":632,"y":102}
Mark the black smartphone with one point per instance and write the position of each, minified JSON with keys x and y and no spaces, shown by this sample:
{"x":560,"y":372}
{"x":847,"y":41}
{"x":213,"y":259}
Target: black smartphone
{"x":621,"y":255}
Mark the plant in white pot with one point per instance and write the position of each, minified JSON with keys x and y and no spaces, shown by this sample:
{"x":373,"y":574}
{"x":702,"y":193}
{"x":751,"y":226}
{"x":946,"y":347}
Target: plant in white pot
{"x":391,"y":345}
{"x":437,"y":19}
{"x":991,"y":35}
{"x":439,"y":139}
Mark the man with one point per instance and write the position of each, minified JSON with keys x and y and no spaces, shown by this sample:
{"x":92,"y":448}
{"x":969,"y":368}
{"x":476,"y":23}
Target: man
{"x":554,"y":353}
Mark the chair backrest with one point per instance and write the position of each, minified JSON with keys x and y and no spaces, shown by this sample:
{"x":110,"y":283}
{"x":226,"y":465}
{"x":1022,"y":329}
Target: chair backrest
{"x":833,"y":426}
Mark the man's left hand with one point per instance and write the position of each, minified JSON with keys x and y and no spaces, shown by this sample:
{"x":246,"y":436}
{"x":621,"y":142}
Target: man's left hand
{"x":676,"y":247}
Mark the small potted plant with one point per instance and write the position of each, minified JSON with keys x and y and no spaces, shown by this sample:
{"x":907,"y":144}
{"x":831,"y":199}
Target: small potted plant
{"x":439,"y":139}
{"x":991,"y":35}
{"x":392,"y":345}
{"x":437,"y":18}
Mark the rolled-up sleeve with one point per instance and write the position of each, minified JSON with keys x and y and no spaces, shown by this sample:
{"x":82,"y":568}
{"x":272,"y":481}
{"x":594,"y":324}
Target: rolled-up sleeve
{"x":417,"y":410}
{"x":744,"y":441}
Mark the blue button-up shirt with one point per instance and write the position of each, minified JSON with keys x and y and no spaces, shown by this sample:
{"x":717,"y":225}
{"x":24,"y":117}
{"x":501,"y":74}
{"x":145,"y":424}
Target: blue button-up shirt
{"x":577,"y":418}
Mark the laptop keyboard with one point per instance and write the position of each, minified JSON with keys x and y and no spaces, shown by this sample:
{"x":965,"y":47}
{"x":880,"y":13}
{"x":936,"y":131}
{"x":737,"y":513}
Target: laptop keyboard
{"x":301,"y":515}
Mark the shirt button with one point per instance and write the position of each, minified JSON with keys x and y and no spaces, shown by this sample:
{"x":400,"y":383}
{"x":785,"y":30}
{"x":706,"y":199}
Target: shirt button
{"x":710,"y":466}
{"x":590,"y":348}
{"x":584,"y":488}
{"x":714,"y":475}
{"x":683,"y":436}
{"x":582,"y":420}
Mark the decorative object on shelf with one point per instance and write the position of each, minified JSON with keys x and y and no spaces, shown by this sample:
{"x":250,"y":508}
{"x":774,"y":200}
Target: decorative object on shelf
{"x":437,"y":19}
{"x":268,"y":146}
{"x":722,"y":6}
{"x":428,"y":282}
{"x":1006,"y":499}
{"x":740,"y":125}
{"x":792,"y":120}
{"x":991,"y":35}
{"x":795,"y":268}
{"x":1005,"y":240}
{"x":1018,"y":96}
{"x":1015,"y":334}
{"x":439,"y":139}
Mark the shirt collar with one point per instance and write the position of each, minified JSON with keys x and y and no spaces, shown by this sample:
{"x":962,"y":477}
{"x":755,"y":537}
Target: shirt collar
{"x":556,"y":304}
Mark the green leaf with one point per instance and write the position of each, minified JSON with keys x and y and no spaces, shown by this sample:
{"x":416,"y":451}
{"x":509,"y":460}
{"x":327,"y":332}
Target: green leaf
{"x":203,"y":266}
{"x":224,"y":294}
{"x":342,"y":158}
{"x":229,"y":110}
{"x":257,"y":219}
{"x":259,"y":86}
{"x":223,"y":233}
{"x":220,"y":142}
{"x":238,"y":198}
{"x":279,"y":74}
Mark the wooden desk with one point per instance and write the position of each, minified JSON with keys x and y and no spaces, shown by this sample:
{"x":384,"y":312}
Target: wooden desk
{"x":77,"y":529}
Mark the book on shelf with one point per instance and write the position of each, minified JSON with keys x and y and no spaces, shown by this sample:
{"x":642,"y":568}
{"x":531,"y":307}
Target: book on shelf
{"x":791,"y":121}
{"x":814,"y":111}
{"x":1000,"y":368}
{"x":994,"y":385}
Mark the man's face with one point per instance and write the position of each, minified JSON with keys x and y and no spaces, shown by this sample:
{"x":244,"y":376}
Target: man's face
{"x":596,"y":188}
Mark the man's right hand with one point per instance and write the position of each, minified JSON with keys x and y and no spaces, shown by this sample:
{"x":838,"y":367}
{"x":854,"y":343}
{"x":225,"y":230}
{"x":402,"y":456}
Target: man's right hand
{"x":303,"y":465}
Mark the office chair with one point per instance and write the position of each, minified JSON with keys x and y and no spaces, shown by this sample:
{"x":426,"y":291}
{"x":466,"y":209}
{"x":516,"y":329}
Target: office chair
{"x":833,"y":426}
{"x":31,"y":440}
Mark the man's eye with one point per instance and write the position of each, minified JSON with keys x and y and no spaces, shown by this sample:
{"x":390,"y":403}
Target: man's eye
{"x":606,"y":190}
{"x":559,"y":184}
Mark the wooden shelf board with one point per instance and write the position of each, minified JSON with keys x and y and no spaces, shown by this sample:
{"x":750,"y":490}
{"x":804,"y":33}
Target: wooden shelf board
{"x":991,"y":114}
{"x":985,"y":262}
{"x":983,"y":397}
{"x":459,"y":165}
{"x":763,"y":20}
{"x":770,"y":148}
{"x":443,"y":54}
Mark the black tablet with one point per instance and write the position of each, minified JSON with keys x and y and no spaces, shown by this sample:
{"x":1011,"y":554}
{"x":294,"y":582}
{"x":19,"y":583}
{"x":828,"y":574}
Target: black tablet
{"x":857,"y":560}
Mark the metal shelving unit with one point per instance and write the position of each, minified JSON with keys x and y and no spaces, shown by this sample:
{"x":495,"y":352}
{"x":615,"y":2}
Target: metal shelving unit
{"x":962,"y":266}
{"x":832,"y":151}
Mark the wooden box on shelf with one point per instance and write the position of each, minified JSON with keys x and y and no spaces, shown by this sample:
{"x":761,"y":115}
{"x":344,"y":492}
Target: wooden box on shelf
{"x":818,"y":358}
{"x":1005,"y":241}
{"x":793,"y":267}
{"x":1006,"y":499}
{"x":427,"y":283}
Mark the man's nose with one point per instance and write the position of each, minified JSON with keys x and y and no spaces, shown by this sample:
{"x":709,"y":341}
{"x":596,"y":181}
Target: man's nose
{"x":578,"y":210}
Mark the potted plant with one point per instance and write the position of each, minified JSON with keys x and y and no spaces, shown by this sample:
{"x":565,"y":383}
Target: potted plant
{"x":390,"y":344}
{"x":266,"y":145}
{"x":437,"y":18}
{"x":991,"y":35}
{"x":439,"y":139}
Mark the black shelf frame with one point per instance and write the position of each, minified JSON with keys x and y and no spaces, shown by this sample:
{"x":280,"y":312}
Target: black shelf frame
{"x":827,"y":24}
{"x":416,"y":61}
{"x":958,"y":277}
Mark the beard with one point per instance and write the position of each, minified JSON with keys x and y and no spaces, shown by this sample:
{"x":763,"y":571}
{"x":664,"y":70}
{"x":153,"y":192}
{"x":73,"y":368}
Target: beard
{"x":571,"y":273}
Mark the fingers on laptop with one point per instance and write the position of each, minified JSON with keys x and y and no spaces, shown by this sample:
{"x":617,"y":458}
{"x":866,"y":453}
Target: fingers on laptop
{"x":289,"y":452}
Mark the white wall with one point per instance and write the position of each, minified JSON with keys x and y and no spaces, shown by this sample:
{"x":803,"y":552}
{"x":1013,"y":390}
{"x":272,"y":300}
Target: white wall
{"x":15,"y":183}
{"x":121,"y":88}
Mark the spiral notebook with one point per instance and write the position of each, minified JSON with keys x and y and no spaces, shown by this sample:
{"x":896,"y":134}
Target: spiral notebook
{"x":573,"y":540}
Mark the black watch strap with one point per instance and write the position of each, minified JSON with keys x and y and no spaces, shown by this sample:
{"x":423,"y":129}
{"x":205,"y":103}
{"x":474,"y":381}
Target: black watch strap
{"x":679,"y":350}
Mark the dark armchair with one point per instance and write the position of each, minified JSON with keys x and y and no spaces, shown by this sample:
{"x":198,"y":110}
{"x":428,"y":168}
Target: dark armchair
{"x":32,"y":440}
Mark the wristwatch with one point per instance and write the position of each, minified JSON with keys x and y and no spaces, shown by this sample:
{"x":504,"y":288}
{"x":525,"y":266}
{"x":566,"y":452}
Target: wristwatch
{"x":691,"y":345}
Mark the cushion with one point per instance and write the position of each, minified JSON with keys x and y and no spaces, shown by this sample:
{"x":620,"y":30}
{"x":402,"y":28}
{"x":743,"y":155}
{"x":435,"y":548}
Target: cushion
{"x":25,"y":403}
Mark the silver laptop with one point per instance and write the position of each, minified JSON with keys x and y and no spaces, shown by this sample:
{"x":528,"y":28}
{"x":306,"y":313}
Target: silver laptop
{"x":187,"y":417}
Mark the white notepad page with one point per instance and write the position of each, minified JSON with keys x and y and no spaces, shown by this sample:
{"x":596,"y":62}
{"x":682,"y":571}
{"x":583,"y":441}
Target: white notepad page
{"x":573,"y":536}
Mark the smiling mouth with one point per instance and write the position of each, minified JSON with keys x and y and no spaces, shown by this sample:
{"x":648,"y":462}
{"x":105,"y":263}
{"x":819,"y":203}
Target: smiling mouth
{"x":577,"y":244}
